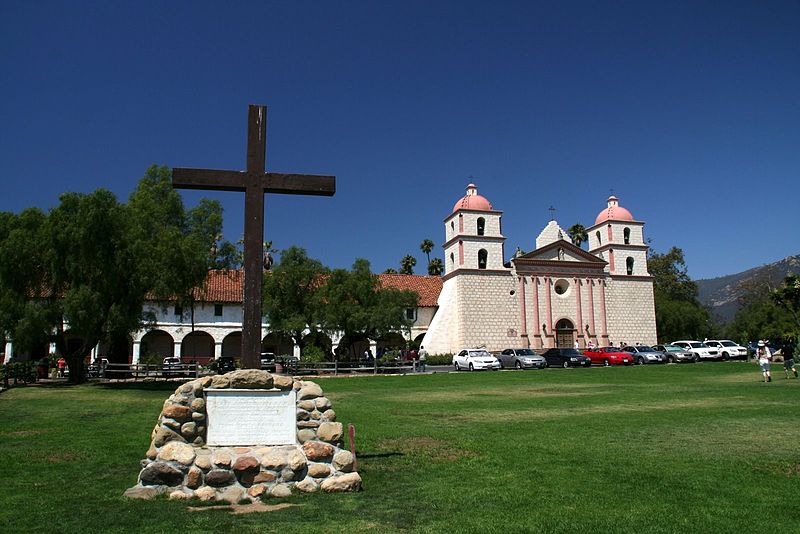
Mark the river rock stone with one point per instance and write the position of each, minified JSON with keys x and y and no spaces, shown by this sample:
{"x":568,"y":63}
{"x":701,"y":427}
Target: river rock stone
{"x":177,"y":412}
{"x":221,"y":459}
{"x":250,"y":379}
{"x":203,"y":462}
{"x":205,"y":493}
{"x":280,"y":491}
{"x":189,"y":430}
{"x":164,"y":436}
{"x":316,"y":450}
{"x":282,"y":382}
{"x":175,"y":451}
{"x":330,"y":432}
{"x":322,"y":403}
{"x":307,"y":485}
{"x":287,"y":475}
{"x":303,"y":415}
{"x":152,"y":452}
{"x":348,"y":482}
{"x":343,"y":461}
{"x":257,"y":491}
{"x":198,"y":404}
{"x":307,"y":424}
{"x":245,"y":463}
{"x":172,"y":424}
{"x":219,"y":478}
{"x":160,"y":474}
{"x":194,"y":478}
{"x":306,"y":434}
{"x":275,"y":459}
{"x":306,"y":405}
{"x":296,"y":460}
{"x":198,"y":417}
{"x":232,"y":495}
{"x":220,"y":382}
{"x":263,"y":477}
{"x":310,"y":390}
{"x":330,"y":415}
{"x":318,"y":470}
{"x":179,"y":495}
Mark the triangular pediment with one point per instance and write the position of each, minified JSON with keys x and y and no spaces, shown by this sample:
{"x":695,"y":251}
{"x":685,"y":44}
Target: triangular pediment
{"x":559,"y":251}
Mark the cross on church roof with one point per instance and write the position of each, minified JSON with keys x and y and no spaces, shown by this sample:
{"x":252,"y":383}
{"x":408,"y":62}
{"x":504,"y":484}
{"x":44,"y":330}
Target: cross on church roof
{"x":552,"y":211}
{"x":254,"y":182}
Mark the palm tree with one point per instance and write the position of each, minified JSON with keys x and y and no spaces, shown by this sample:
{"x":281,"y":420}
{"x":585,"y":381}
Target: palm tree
{"x":426,"y":246}
{"x":407,"y":264}
{"x":390,"y":270}
{"x":578,"y":234}
{"x":435,"y":267}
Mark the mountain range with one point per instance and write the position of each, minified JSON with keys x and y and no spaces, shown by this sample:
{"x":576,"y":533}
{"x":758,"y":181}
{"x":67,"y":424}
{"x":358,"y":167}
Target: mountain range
{"x":725,"y":294}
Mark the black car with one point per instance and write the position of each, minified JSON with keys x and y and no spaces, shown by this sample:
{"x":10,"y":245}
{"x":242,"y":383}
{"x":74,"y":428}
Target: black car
{"x":566,"y":358}
{"x":225,"y":364}
{"x":268,"y":361}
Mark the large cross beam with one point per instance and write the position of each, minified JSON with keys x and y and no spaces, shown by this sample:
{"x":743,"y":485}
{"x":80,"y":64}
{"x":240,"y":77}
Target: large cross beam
{"x":254,"y":182}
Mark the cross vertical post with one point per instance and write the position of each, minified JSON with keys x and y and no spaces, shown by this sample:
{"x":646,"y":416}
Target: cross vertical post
{"x":254,"y":182}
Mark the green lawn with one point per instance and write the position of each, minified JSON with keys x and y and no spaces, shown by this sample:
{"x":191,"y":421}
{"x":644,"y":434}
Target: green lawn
{"x":679,"y":448}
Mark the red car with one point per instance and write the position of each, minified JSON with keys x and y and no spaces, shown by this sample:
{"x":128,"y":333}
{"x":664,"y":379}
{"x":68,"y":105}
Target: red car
{"x":609,"y":356}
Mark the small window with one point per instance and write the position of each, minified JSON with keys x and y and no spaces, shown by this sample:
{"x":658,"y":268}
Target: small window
{"x":178,"y":310}
{"x":561,"y":287}
{"x":629,"y":265}
{"x":452,"y":226}
{"x":411,"y":314}
{"x":599,"y":241}
{"x":217,"y":310}
{"x":626,"y":236}
{"x":482,"y":258}
{"x":481,"y":225}
{"x":452,"y":259}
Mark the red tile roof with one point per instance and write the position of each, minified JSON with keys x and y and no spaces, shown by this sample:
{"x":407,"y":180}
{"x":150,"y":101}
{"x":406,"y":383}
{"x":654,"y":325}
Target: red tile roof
{"x":227,"y":286}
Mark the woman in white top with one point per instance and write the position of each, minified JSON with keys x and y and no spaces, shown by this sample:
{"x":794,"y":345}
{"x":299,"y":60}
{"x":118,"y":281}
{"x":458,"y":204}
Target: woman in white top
{"x":764,"y":357}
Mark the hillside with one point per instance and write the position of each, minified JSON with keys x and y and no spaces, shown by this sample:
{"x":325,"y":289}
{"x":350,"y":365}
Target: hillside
{"x":723,"y":294}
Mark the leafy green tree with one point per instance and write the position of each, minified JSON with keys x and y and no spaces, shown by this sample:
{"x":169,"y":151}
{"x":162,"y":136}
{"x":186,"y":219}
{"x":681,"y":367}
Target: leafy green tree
{"x":85,"y":268}
{"x":390,"y":270}
{"x":679,"y":315}
{"x":427,"y":246}
{"x":578,"y":234}
{"x":357,"y":306}
{"x":788,"y":296}
{"x":407,"y":264}
{"x":293,"y":294}
{"x":435,"y":267}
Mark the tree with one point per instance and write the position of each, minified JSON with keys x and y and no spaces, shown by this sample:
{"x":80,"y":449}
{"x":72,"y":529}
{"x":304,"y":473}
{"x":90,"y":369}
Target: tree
{"x":390,"y":270}
{"x":788,"y":295}
{"x":679,"y":315}
{"x":293,"y":294}
{"x":90,"y":262}
{"x":578,"y":234}
{"x":435,"y":267}
{"x":427,"y":246}
{"x":359,"y":308}
{"x":407,"y":264}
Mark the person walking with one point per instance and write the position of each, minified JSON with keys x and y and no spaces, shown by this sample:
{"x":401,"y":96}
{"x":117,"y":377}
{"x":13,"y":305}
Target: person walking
{"x":423,"y":358}
{"x":764,"y":356}
{"x":62,"y":365}
{"x":787,"y":350}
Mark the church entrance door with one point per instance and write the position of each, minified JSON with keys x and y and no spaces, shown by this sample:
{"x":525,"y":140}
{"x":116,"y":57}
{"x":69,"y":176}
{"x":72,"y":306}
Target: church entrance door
{"x":565,"y":334}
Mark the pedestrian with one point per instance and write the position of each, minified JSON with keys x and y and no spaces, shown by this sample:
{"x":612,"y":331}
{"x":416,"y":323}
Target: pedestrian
{"x":423,"y":358}
{"x":788,"y":357}
{"x":764,"y":356}
{"x":576,"y":344}
{"x":591,"y":345}
{"x":62,"y":365}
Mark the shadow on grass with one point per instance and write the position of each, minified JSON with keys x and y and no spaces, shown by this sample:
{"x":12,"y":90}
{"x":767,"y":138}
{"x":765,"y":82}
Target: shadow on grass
{"x":140,"y":386}
{"x":378,"y":455}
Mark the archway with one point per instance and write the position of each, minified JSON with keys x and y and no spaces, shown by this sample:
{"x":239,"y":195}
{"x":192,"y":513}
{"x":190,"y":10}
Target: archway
{"x":120,"y":351}
{"x":565,"y":333}
{"x":197,"y":346}
{"x":232,"y":345}
{"x":418,"y":340}
{"x":393,"y":341}
{"x":277,"y":344}
{"x":155,"y":346}
{"x":318,"y":339}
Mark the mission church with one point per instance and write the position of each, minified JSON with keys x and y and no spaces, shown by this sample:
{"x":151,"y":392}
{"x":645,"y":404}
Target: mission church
{"x":556,"y":295}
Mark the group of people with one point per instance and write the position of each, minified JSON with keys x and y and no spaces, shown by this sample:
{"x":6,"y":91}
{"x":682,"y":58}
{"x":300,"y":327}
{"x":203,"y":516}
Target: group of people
{"x":764,"y":358}
{"x":414,"y":355}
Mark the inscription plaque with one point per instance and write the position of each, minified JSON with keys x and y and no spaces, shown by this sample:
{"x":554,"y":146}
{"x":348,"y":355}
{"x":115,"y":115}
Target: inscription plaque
{"x":251,"y":417}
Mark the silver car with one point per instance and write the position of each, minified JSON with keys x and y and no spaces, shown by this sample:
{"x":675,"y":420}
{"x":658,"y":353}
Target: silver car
{"x":521,"y":359}
{"x":643,"y":354}
{"x":676,"y":354}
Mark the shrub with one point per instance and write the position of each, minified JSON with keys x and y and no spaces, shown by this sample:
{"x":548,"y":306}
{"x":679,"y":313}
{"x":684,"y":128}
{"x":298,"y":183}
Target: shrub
{"x":313,"y":354}
{"x":440,"y":359}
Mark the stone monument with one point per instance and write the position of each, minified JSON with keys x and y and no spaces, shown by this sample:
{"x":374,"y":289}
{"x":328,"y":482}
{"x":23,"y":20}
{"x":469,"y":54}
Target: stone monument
{"x":245,"y":435}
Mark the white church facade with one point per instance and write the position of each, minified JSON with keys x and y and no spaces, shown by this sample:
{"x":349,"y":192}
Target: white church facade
{"x":556,"y":295}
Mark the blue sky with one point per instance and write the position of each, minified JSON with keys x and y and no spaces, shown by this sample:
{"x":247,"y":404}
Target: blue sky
{"x":689,"y":111}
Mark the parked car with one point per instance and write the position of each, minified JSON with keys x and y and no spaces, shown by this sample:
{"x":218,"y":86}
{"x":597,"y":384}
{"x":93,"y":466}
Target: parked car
{"x":699,"y":349}
{"x":566,"y":358}
{"x":609,"y":356}
{"x":474,"y":359}
{"x":521,"y":359}
{"x":675,"y":354}
{"x":225,"y":364}
{"x":172,"y":366}
{"x":268,"y":361}
{"x":727,"y":349}
{"x":645,"y":354}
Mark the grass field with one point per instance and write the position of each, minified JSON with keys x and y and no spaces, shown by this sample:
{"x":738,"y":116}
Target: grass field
{"x":679,"y":448}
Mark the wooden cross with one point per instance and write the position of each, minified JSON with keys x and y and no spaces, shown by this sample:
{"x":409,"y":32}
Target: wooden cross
{"x":552,"y":211}
{"x":254,"y":182}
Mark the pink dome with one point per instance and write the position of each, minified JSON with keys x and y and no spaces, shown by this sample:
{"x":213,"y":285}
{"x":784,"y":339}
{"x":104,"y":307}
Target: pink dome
{"x":472,"y":201}
{"x":614,"y":212}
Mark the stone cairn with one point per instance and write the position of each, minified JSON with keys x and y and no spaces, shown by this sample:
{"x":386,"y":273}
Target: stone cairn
{"x":180,"y":464}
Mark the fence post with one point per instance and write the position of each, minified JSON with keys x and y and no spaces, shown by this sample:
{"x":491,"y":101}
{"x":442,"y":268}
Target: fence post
{"x":335,"y":367}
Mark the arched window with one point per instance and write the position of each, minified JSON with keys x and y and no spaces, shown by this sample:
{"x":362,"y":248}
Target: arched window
{"x":629,"y":265}
{"x":452,"y":226}
{"x":481,"y":225}
{"x":599,"y":241}
{"x":626,"y":236}
{"x":452,"y":260}
{"x":482,"y":257}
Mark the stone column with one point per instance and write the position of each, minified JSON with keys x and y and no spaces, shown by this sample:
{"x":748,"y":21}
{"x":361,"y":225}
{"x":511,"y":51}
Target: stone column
{"x":296,"y":351}
{"x":9,"y":351}
{"x":176,"y":349}
{"x":137,"y":351}
{"x":217,"y":349}
{"x":611,"y":260}
{"x":590,"y":286}
{"x":549,"y":295}
{"x":52,"y":348}
{"x":603,"y":311}
{"x":537,"y":332}
{"x":523,"y":315}
{"x":581,"y":333}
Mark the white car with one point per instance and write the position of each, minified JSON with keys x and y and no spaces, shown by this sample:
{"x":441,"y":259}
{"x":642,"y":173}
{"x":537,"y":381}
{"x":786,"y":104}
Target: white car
{"x":727,"y":348}
{"x":699,"y":349}
{"x":474,"y":359}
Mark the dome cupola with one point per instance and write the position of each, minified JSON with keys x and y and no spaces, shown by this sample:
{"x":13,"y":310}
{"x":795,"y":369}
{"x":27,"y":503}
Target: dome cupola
{"x":614,"y":212}
{"x":473,"y":201}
